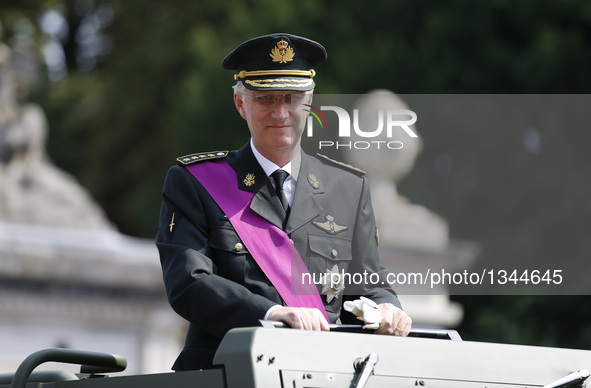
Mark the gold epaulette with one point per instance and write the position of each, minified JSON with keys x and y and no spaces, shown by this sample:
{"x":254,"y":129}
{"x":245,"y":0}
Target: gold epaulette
{"x":341,"y":164}
{"x":194,"y":158}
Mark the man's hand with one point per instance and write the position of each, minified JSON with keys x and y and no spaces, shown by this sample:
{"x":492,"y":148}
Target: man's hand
{"x":394,"y":321}
{"x":300,"y":318}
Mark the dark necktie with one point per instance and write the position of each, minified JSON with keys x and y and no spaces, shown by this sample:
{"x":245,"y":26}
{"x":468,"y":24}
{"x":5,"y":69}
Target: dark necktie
{"x":280,"y":176}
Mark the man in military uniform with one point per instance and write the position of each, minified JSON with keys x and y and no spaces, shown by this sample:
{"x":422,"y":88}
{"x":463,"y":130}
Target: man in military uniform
{"x":215,"y":276}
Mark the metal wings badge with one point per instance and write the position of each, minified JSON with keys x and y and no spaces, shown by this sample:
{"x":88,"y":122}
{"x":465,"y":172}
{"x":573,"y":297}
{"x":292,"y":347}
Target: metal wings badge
{"x":329,"y":226}
{"x":282,"y":52}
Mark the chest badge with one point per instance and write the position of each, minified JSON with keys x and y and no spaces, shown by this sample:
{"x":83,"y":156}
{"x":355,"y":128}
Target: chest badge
{"x":334,"y":283}
{"x":329,"y":226}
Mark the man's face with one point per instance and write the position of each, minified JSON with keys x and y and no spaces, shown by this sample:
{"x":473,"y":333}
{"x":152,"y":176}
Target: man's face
{"x":275,"y":118}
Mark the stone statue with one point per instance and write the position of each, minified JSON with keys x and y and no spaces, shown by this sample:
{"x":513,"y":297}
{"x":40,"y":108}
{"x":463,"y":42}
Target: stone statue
{"x":68,"y":277}
{"x":32,"y":189}
{"x":400,"y":222}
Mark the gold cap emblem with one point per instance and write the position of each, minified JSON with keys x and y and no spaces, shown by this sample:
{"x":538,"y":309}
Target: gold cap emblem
{"x":282,"y":52}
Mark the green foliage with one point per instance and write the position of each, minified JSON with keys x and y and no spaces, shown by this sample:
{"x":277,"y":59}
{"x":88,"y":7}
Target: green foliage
{"x":557,"y":321}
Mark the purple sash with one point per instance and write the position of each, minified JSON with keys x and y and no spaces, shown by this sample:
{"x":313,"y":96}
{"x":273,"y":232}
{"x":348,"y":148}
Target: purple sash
{"x":270,"y":246}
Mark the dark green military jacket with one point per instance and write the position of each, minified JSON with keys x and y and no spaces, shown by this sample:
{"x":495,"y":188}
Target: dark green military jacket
{"x":212,"y":280}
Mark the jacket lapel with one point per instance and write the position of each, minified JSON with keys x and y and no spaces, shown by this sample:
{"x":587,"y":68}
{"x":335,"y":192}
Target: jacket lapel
{"x":251,"y":177}
{"x":305,"y":206}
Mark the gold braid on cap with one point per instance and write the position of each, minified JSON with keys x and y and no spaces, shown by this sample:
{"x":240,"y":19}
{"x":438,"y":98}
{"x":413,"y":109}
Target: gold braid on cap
{"x":258,"y":73}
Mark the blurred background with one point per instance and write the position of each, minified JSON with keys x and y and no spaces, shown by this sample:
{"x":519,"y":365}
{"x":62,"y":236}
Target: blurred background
{"x":127,"y":86}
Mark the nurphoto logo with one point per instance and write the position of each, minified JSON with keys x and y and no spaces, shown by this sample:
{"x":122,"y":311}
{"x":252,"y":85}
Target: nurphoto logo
{"x":362,"y":128}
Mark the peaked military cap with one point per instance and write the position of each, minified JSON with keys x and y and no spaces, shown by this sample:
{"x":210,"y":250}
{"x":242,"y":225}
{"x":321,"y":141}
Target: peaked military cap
{"x":276,"y":62}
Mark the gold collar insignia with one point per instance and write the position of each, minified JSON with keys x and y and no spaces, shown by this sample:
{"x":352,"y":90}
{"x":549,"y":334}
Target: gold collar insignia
{"x":249,"y":179}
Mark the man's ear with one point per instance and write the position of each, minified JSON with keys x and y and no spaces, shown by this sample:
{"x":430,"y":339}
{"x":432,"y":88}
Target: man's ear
{"x":239,"y":103}
{"x":310,"y":97}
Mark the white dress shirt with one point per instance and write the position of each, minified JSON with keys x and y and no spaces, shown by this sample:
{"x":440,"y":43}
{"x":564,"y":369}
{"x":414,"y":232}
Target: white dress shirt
{"x":292,"y":168}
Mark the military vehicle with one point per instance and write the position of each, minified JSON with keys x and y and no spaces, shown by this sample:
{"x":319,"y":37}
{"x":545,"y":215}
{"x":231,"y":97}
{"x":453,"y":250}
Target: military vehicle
{"x":344,"y":357}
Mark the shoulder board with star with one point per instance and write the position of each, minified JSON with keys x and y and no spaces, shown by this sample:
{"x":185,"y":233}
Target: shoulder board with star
{"x":198,"y":157}
{"x":343,"y":165}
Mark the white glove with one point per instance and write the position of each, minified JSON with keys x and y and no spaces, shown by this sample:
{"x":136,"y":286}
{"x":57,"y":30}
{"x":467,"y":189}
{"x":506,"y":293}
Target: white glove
{"x":365,"y":310}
